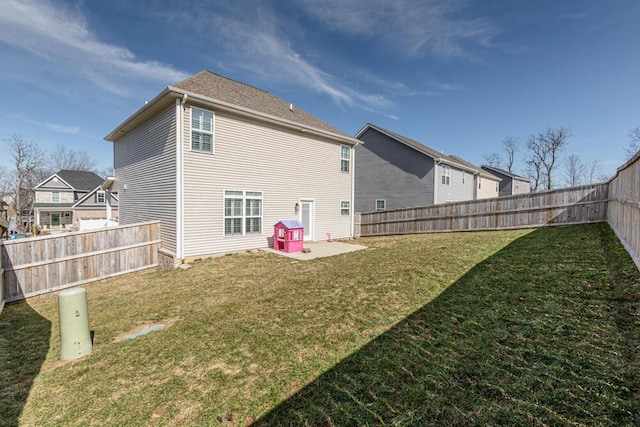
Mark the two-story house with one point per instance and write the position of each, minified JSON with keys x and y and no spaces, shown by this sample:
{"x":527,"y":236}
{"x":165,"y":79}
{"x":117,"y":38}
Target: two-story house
{"x":220,"y":162}
{"x":510,"y":183}
{"x":69,"y":196}
{"x":393,"y":172}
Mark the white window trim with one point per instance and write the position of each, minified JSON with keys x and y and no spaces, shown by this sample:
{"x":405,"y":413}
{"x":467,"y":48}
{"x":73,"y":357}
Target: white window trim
{"x":384,"y":205}
{"x":446,"y":175}
{"x":202,"y":131}
{"x":243,"y":212}
{"x":345,"y":158}
{"x":104,"y":197}
{"x":347,"y":208}
{"x":479,"y":182}
{"x":57,"y":193}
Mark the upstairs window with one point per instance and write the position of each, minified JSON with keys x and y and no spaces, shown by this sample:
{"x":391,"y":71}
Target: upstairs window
{"x":201,"y":130}
{"x":463,"y":174}
{"x":55,"y":197}
{"x":100,"y":197}
{"x":345,"y":158}
{"x":381,"y":205}
{"x":446,"y":175}
{"x":479,"y":182}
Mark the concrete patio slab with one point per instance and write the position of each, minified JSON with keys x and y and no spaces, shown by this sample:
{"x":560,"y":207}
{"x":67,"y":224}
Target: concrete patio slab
{"x":319,"y":250}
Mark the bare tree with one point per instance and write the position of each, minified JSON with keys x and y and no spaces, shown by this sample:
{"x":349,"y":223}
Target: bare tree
{"x":575,"y":170}
{"x":534,"y":164}
{"x":65,"y":158}
{"x":28,"y":160}
{"x":510,"y":146}
{"x":492,"y":159}
{"x":593,"y":172}
{"x":544,"y":151}
{"x":634,"y":143}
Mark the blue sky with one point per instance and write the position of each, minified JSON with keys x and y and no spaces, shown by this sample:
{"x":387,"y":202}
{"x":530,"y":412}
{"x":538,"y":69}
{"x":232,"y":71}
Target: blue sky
{"x":459,"y":76}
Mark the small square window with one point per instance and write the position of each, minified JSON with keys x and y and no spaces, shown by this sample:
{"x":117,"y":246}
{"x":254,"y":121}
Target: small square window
{"x":381,"y":205}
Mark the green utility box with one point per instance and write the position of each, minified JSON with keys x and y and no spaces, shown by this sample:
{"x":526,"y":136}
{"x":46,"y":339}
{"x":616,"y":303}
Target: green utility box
{"x":75,"y":337}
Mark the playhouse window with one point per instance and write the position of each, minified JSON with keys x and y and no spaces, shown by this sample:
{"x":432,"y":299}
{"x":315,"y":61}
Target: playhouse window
{"x":345,"y":158}
{"x":242,"y":212}
{"x":202,"y":128}
{"x":100,"y":197}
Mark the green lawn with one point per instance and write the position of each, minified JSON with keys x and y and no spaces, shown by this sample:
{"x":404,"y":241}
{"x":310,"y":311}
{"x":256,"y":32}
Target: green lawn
{"x":517,"y":327}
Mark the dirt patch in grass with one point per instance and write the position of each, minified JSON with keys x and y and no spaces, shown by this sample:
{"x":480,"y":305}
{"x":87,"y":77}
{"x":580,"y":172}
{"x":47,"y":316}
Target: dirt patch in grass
{"x":166,"y":323}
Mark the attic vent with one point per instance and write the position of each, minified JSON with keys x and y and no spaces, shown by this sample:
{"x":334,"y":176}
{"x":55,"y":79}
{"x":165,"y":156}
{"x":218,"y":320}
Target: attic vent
{"x":290,"y":107}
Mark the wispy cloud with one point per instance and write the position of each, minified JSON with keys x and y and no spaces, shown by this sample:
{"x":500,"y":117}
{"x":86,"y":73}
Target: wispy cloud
{"x":74,"y":130}
{"x":56,"y":127}
{"x":60,"y":35}
{"x":412,"y":27}
{"x":253,"y":41}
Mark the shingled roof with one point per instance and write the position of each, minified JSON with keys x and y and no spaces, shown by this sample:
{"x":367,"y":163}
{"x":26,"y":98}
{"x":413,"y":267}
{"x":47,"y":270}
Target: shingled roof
{"x":80,"y":180}
{"x":230,"y":91}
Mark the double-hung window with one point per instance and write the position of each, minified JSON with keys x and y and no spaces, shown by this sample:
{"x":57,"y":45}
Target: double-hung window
{"x":345,"y":207}
{"x":479,"y":182}
{"x":202,"y":130}
{"x":345,"y":158}
{"x":242,"y":212}
{"x":55,"y":197}
{"x":446,"y":174}
{"x":100,"y":197}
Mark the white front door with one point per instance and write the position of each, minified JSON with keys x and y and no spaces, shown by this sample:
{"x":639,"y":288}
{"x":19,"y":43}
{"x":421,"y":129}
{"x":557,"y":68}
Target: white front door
{"x":307,"y":214}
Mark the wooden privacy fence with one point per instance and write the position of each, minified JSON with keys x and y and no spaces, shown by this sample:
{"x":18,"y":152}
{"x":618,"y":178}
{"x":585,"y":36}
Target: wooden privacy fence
{"x":44,"y":264}
{"x":623,"y":212}
{"x":575,"y":205}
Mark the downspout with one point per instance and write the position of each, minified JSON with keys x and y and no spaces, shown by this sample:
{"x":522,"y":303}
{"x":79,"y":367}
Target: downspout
{"x":180,"y":177}
{"x":436,"y":163}
{"x":353,"y":190}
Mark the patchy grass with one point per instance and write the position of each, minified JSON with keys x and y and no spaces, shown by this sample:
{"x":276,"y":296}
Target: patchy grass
{"x":517,"y":327}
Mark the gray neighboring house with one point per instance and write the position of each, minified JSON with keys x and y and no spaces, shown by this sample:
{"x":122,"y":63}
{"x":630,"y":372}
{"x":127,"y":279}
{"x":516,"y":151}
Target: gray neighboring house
{"x":68,"y":196}
{"x":220,"y":162}
{"x":511,"y":183}
{"x":393,"y":172}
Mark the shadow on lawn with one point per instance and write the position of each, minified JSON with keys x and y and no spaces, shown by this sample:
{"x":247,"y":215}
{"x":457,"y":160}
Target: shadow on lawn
{"x":497,"y":347}
{"x":24,"y":343}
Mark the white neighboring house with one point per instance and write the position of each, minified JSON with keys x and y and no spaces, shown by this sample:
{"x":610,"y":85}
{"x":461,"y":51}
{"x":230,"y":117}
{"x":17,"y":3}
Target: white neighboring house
{"x":220,"y":162}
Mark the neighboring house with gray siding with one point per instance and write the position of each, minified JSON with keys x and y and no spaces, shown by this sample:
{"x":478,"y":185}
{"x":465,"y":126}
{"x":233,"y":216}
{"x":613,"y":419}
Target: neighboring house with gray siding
{"x":220,"y":162}
{"x":511,"y":183}
{"x":393,"y":172}
{"x":68,"y":196}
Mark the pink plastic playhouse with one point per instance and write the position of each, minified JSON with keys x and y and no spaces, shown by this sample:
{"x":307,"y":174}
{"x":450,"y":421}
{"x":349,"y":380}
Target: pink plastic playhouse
{"x":288,"y":235}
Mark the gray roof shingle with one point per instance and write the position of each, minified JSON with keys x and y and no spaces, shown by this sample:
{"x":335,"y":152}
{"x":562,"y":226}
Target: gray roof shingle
{"x":81,"y":180}
{"x":233,"y":92}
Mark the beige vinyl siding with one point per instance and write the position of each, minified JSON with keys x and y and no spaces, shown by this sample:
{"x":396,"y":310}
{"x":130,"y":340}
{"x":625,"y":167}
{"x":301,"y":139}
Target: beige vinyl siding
{"x":145,"y":161}
{"x":55,"y":184}
{"x":488,"y":188}
{"x":285,"y":166}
